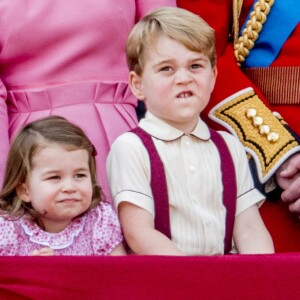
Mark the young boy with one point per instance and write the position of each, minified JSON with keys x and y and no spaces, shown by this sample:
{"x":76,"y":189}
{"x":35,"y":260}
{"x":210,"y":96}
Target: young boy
{"x":171,"y":56}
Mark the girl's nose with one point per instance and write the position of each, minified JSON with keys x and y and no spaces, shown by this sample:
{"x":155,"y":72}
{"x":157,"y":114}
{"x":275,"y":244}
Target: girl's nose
{"x":68,"y":185}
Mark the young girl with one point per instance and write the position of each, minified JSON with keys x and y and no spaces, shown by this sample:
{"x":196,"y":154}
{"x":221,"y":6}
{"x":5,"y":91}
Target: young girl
{"x":51,"y":202}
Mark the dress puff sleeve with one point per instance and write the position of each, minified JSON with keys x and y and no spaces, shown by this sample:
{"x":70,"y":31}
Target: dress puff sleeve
{"x":107,"y":233}
{"x":8,"y":238}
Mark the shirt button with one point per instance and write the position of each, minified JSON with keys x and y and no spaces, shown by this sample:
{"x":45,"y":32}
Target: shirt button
{"x":187,"y":143}
{"x":208,"y":223}
{"x":192,"y":169}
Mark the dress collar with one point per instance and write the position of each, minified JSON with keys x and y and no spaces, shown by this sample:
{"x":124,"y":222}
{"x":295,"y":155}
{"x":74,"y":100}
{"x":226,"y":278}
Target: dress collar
{"x":58,"y":240}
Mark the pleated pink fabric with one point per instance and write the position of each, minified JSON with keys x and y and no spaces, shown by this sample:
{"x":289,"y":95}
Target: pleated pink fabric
{"x":61,"y":57}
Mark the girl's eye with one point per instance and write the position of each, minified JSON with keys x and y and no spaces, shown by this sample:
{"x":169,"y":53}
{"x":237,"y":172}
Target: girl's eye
{"x":55,"y":177}
{"x":80,"y":175}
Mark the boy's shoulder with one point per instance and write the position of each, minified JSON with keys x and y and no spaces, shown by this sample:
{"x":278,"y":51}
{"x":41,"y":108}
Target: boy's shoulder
{"x":127,"y":139}
{"x":128,"y":147}
{"x":234,"y":145}
{"x":229,"y":138}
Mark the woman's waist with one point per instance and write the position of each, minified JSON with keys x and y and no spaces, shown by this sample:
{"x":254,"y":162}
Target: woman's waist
{"x":53,"y":96}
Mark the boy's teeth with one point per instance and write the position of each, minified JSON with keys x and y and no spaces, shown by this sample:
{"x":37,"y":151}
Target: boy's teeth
{"x":184,"y":95}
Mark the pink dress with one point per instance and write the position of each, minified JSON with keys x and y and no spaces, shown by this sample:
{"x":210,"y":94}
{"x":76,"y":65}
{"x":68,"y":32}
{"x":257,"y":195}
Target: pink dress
{"x":97,"y":232}
{"x":62,"y":57}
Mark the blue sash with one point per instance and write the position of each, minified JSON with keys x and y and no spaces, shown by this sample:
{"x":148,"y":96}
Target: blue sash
{"x":281,"y":21}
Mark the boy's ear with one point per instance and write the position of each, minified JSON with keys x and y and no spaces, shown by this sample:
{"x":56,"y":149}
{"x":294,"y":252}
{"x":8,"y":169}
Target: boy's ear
{"x":22,"y":192}
{"x":135,"y":82}
{"x":215,"y":74}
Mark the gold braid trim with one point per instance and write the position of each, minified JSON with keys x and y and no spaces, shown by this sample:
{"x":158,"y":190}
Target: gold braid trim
{"x":254,"y":25}
{"x":237,"y":7}
{"x":258,"y":129}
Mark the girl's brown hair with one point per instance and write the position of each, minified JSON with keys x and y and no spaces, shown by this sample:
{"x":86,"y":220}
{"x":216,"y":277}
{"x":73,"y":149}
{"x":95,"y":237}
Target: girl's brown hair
{"x":32,"y":138}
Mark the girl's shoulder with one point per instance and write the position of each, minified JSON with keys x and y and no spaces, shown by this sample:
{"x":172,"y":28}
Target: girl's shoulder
{"x":8,"y":236}
{"x":104,"y":212}
{"x":107,"y":232}
{"x":7,"y":222}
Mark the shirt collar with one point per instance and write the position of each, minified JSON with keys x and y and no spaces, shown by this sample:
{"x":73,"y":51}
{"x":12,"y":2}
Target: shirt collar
{"x":163,"y":131}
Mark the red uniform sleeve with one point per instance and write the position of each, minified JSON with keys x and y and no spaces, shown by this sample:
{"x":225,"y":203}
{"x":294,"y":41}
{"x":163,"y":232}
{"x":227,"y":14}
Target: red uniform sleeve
{"x":283,"y":226}
{"x":234,"y":90}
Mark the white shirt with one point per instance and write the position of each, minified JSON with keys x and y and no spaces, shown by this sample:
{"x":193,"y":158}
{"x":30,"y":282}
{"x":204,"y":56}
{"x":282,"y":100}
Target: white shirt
{"x":192,"y":167}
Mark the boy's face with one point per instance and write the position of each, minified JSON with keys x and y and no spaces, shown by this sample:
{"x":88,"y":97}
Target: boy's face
{"x":176,"y":83}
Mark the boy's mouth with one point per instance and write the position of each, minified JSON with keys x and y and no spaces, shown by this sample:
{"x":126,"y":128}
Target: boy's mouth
{"x":185,"y":94}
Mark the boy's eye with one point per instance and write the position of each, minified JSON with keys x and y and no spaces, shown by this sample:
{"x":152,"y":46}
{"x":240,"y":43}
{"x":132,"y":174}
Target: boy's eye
{"x":196,"y":66}
{"x":166,"y":68}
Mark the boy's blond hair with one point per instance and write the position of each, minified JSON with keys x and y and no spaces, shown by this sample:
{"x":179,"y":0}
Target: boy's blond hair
{"x":176,"y":23}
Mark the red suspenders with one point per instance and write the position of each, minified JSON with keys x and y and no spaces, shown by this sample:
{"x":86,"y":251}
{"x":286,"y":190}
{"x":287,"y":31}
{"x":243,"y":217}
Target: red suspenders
{"x":160,"y":191}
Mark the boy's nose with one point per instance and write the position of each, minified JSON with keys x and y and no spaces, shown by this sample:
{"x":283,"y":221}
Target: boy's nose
{"x":183,"y":76}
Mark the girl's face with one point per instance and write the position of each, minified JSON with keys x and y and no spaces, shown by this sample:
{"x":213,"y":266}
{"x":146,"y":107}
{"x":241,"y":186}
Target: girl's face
{"x":59,"y":186}
{"x":176,"y":83}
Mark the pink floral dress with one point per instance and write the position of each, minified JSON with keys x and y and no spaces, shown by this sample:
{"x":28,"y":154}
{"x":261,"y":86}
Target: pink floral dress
{"x":97,"y":232}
